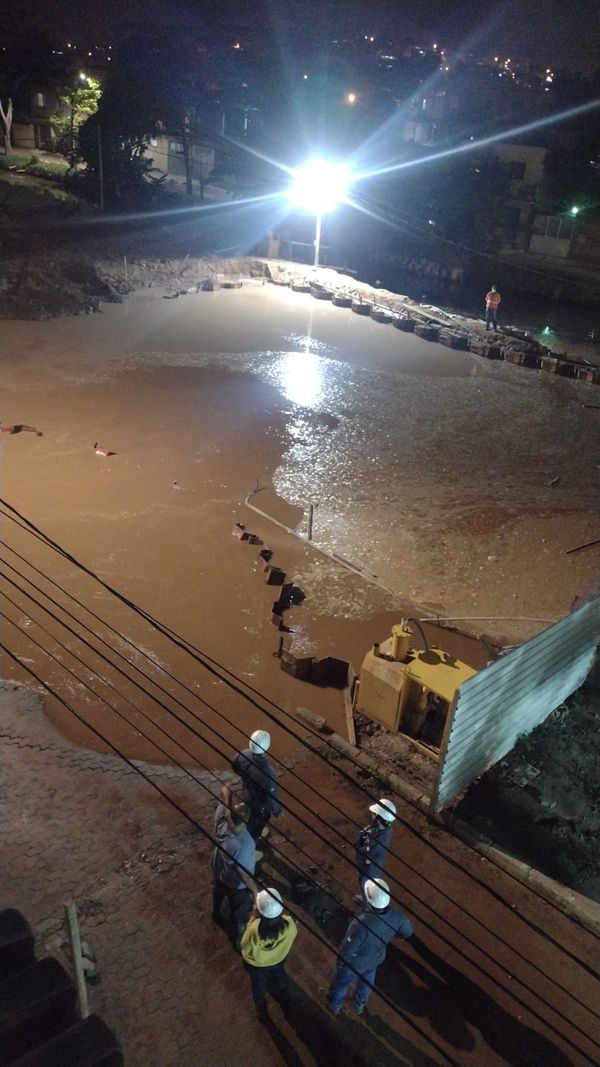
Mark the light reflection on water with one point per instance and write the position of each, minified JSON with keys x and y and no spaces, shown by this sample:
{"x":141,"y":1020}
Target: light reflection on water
{"x":300,"y":377}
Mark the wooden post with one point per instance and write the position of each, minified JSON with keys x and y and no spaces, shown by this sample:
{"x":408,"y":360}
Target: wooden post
{"x":77,"y":958}
{"x":349,"y":706}
{"x":309,"y":524}
{"x":125,"y":265}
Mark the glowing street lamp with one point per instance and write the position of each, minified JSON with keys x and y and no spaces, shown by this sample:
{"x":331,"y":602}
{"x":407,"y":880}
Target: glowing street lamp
{"x":318,"y":187}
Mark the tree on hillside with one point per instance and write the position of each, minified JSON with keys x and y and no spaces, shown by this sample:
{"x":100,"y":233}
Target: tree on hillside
{"x":179,"y":93}
{"x":134,"y":106}
{"x":113,"y":143}
{"x":80,"y":97}
{"x":6,"y":114}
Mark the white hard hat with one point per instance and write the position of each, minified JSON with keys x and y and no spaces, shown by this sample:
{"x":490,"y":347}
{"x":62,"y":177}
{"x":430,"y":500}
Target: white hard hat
{"x":386,"y":809}
{"x":269,"y":903}
{"x":377,"y":893}
{"x":260,"y":741}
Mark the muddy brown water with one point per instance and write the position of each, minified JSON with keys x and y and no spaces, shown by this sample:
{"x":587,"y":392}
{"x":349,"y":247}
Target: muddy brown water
{"x":430,"y":468}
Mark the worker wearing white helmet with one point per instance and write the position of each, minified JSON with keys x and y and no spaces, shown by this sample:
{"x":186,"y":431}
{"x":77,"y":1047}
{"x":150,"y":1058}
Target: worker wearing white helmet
{"x":259,"y":782}
{"x":374,"y":841}
{"x":233,"y":863}
{"x":364,"y":946}
{"x":265,"y":946}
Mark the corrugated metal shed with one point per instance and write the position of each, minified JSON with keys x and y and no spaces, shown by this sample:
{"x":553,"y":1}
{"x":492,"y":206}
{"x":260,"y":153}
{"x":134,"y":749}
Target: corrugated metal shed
{"x":513,"y":696}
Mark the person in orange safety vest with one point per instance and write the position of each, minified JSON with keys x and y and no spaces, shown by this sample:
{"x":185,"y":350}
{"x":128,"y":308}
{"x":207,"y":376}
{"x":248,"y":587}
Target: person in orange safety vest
{"x":492,"y":303}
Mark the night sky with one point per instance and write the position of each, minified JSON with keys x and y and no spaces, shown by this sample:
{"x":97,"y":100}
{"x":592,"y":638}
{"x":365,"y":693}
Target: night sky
{"x":562,"y":33}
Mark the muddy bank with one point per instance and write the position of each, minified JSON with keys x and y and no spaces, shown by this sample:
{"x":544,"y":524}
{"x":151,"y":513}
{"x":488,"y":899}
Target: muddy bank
{"x":44,"y":286}
{"x":40,"y":286}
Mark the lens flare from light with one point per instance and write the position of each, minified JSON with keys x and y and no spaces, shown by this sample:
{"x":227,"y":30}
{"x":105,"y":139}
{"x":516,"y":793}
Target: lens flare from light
{"x":319,"y":186}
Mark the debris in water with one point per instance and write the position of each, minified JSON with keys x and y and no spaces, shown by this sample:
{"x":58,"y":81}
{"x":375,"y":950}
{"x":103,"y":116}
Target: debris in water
{"x":580,"y":548}
{"x":20,"y":427}
{"x":102,"y":451}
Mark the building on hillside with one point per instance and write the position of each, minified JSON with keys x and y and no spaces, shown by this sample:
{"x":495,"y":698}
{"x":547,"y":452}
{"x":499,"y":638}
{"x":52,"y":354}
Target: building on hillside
{"x":32,"y":127}
{"x":431,"y":114}
{"x":526,"y":166}
{"x":168,"y":158}
{"x":565,"y":237}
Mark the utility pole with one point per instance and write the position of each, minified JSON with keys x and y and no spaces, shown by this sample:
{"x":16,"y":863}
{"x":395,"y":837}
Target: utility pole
{"x":187,"y":154}
{"x":100,"y":168}
{"x":318,"y":238}
{"x":72,"y":152}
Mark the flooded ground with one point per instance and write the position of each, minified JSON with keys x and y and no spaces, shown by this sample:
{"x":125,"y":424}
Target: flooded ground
{"x":457,"y":482}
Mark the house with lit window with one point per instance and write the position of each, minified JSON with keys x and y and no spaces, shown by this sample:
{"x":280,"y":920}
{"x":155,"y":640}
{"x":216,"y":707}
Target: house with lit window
{"x":166,"y":150}
{"x":32,"y":126}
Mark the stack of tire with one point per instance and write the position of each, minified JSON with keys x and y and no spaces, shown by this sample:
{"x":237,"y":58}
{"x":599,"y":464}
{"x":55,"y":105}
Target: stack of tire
{"x":429,"y":331}
{"x":39,"y":1024}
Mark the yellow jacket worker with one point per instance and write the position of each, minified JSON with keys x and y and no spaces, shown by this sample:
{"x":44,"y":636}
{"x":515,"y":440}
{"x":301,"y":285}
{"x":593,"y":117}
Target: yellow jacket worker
{"x":266,"y":944}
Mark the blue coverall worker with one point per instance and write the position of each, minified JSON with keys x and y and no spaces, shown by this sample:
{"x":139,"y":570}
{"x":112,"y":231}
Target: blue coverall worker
{"x":259,"y":782}
{"x":364,"y":947}
{"x":374,"y":841}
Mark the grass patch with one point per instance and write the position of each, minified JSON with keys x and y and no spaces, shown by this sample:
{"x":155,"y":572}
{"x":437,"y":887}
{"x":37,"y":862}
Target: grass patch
{"x":40,"y":168}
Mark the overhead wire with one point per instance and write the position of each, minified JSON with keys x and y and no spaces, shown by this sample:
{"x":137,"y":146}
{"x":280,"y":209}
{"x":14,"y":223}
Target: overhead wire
{"x":196,"y":696}
{"x":182,"y":643}
{"x":285,"y":857}
{"x":223,"y":755}
{"x":182,"y":811}
{"x":215,"y":796}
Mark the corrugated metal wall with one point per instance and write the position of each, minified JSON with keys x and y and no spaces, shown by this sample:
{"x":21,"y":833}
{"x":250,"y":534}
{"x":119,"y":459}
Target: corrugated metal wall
{"x":512,"y":696}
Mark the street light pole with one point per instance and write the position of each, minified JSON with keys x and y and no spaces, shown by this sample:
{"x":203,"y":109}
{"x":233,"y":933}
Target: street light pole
{"x":317,"y":188}
{"x":319,"y":221}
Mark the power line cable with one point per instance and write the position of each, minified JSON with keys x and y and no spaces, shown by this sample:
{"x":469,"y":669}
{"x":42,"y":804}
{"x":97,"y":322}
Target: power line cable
{"x":182,"y":643}
{"x":220,"y":752}
{"x":194,"y":732}
{"x":135,"y":726}
{"x":448,"y":1059}
{"x":287,"y":859}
